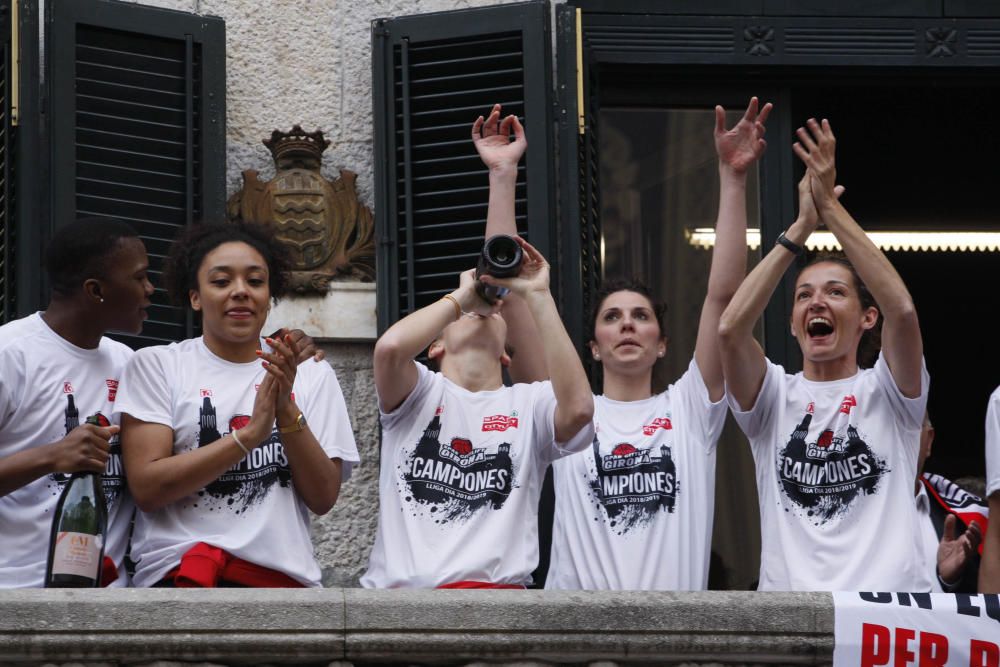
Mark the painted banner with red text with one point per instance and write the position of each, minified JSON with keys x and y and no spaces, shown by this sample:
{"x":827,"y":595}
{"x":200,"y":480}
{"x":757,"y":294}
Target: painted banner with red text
{"x":920,"y":629}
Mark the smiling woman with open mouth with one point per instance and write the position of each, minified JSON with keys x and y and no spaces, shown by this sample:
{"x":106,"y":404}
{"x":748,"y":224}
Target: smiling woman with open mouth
{"x":835,"y":446}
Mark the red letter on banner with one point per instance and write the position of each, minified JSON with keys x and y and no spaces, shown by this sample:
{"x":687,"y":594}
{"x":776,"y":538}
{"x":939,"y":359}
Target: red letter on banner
{"x":875,"y":645}
{"x":903,"y":653}
{"x":933,"y":650}
{"x":984,"y":654}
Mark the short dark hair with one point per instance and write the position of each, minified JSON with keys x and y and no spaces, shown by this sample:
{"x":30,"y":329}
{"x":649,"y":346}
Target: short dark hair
{"x":871,"y":340}
{"x":180,"y":270}
{"x":82,"y":249}
{"x":612,"y":285}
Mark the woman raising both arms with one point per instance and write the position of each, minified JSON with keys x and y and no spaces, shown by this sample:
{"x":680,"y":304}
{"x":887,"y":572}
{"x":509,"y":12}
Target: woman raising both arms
{"x":835,"y":446}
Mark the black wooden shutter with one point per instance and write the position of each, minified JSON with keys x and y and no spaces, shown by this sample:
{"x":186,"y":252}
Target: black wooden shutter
{"x":19,"y":164}
{"x":433,"y":74}
{"x":137,"y":126}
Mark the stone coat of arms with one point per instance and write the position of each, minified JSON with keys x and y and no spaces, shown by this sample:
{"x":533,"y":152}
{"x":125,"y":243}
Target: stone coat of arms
{"x":328,"y":232}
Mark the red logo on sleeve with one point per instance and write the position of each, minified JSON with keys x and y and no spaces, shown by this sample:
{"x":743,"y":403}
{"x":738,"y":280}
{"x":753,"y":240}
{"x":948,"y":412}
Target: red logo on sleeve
{"x":206,"y":393}
{"x":499,"y":423}
{"x":811,"y":408}
{"x":847,"y":404}
{"x":112,"y":389}
{"x":67,"y":387}
{"x":659,"y":422}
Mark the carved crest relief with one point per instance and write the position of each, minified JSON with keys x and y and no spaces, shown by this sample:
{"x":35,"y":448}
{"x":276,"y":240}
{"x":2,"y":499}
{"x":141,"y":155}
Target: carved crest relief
{"x":328,"y":232}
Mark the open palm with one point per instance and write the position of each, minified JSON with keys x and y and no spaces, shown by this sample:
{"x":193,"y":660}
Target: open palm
{"x":743,"y":144}
{"x":492,"y":139}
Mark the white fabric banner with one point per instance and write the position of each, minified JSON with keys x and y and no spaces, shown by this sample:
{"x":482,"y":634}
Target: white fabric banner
{"x":922,"y":629}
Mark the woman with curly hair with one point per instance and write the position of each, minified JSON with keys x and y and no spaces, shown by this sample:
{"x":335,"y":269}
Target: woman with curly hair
{"x":220,"y":456}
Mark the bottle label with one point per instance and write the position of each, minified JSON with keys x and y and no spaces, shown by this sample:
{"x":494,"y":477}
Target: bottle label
{"x":77,"y":553}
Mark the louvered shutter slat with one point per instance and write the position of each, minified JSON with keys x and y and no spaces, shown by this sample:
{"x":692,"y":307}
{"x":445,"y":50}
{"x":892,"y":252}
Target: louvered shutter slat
{"x":431,"y":192}
{"x":138,"y":139}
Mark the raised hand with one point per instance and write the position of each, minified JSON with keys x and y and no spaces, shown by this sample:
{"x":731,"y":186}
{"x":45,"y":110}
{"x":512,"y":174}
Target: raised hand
{"x":807,"y":207}
{"x":470,"y":301}
{"x":743,"y":144}
{"x":85,"y":448}
{"x":953,"y":553}
{"x":817,"y":149}
{"x":261,"y":424}
{"x":307,"y":346}
{"x":492,"y":140}
{"x":282,"y":364}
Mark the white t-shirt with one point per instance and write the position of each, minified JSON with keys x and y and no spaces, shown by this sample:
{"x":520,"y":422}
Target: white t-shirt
{"x":252,"y":511}
{"x":836,"y":463}
{"x":993,"y":444}
{"x":48,"y":386}
{"x":459,"y":485}
{"x":634,"y":512}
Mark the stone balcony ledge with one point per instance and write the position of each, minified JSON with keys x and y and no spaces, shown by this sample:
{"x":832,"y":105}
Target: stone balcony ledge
{"x":240,"y":626}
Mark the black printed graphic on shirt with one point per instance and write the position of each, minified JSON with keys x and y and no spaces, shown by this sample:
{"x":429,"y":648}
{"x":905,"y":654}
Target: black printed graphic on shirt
{"x":826,"y":477}
{"x":250,"y":480}
{"x":633,"y":484}
{"x":455,"y":480}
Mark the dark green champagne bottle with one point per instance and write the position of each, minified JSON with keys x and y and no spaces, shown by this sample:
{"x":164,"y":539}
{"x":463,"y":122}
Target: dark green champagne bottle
{"x":79,"y":527}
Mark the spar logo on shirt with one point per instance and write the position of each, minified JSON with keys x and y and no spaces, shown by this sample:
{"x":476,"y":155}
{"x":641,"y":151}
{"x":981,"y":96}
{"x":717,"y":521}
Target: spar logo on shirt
{"x":633,"y":484}
{"x":658,"y":423}
{"x":825,"y":477}
{"x":456,"y":479}
{"x":248,"y":481}
{"x":500,"y":422}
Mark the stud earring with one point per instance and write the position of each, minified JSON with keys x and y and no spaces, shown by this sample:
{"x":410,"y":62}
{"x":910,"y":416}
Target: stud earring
{"x":102,"y":299}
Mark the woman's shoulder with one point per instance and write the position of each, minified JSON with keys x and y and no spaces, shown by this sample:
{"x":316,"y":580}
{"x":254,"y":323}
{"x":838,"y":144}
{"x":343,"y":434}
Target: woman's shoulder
{"x":165,"y":353}
{"x":317,"y":377}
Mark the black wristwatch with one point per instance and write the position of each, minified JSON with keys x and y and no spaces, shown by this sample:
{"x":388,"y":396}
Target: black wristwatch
{"x":789,"y":245}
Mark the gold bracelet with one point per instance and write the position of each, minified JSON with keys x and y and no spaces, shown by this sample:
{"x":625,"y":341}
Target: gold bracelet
{"x":454,"y":301}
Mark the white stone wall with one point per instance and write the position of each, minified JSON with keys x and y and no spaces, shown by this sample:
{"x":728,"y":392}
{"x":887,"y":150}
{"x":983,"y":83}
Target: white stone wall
{"x":309,"y":62}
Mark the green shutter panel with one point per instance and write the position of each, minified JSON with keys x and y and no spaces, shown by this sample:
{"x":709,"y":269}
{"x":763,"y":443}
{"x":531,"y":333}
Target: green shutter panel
{"x":579,"y":193}
{"x":137,"y":126}
{"x":19,"y":163}
{"x":433,"y":74}
{"x":7,"y":189}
